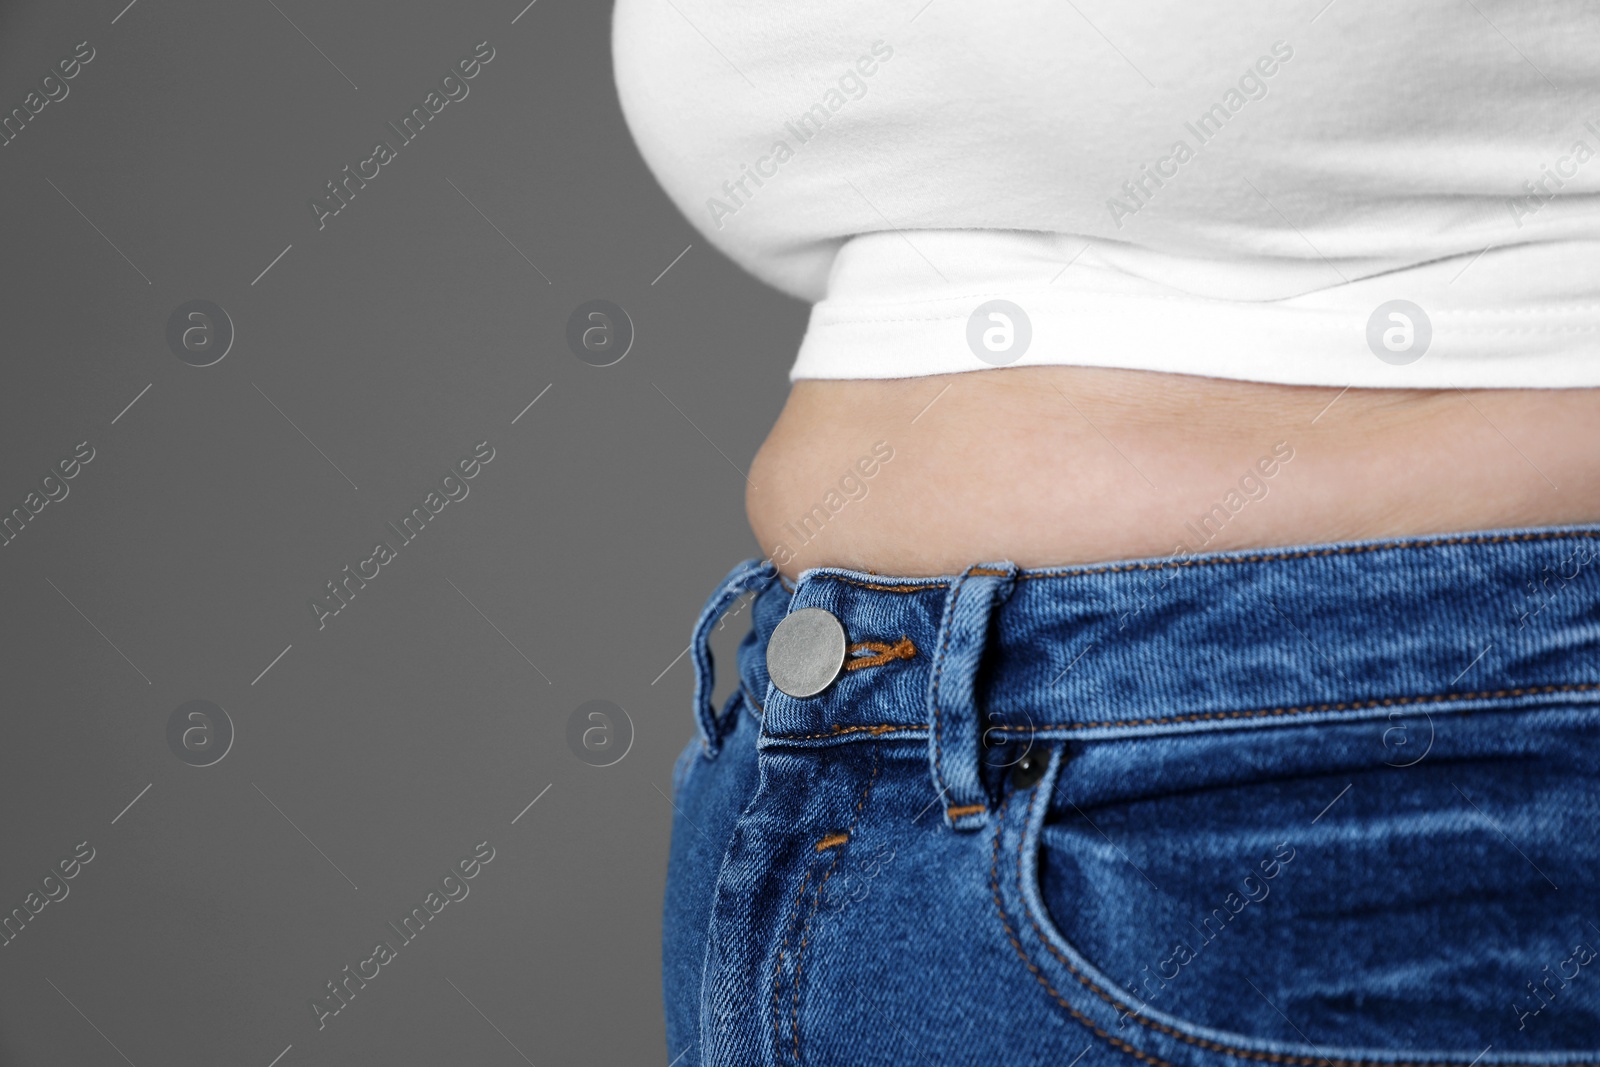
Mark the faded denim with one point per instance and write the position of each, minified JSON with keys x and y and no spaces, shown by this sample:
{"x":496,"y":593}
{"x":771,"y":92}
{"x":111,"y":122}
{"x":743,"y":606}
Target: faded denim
{"x":1331,"y":804}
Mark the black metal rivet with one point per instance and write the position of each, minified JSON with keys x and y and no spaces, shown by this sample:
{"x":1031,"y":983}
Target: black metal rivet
{"x":1027,"y":771}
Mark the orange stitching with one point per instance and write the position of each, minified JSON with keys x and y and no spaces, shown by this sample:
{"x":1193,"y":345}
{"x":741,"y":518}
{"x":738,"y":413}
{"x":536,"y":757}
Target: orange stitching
{"x":965,"y":809}
{"x":831,"y":841}
{"x":1214,"y":1046}
{"x":882,"y":588}
{"x":994,"y":886}
{"x":1345,"y":550}
{"x":901,"y":649}
{"x":877,"y":763}
{"x":777,"y":965}
{"x":837,"y":731}
{"x":1356,"y":705}
{"x":982,"y":572}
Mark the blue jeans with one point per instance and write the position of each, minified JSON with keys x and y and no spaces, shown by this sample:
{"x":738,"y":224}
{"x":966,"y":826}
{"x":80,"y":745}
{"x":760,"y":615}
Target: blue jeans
{"x":1335,"y":804}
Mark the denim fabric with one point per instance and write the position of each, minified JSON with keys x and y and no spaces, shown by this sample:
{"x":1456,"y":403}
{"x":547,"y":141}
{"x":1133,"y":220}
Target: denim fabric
{"x":1331,"y":805}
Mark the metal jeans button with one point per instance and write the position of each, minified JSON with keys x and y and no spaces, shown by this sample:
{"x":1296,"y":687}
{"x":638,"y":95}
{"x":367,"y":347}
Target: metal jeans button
{"x":806,"y":652}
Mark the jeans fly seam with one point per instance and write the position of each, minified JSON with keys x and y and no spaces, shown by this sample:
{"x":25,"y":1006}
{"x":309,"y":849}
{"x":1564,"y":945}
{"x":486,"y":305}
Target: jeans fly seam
{"x":816,"y":903}
{"x":777,"y":965}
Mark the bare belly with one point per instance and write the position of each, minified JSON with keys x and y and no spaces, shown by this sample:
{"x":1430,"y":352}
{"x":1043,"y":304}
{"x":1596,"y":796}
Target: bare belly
{"x":1063,"y":465}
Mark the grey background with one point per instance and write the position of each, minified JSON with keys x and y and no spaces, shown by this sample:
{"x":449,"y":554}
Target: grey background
{"x":378,"y":751}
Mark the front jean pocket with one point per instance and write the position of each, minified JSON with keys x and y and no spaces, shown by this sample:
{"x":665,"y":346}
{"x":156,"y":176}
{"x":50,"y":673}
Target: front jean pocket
{"x":1344,"y":911}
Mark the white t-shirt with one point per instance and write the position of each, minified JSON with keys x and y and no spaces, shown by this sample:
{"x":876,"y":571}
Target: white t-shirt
{"x":1344,"y":193}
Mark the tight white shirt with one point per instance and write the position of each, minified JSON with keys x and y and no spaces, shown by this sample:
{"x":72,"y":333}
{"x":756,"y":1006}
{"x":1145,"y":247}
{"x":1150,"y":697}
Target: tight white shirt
{"x":1237,"y":190}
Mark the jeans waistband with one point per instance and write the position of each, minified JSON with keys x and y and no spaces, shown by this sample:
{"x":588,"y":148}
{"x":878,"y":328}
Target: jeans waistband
{"x":1220,"y":641}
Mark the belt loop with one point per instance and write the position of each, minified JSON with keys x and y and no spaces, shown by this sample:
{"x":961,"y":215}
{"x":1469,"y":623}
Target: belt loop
{"x":955,"y":740}
{"x":750,"y":575}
